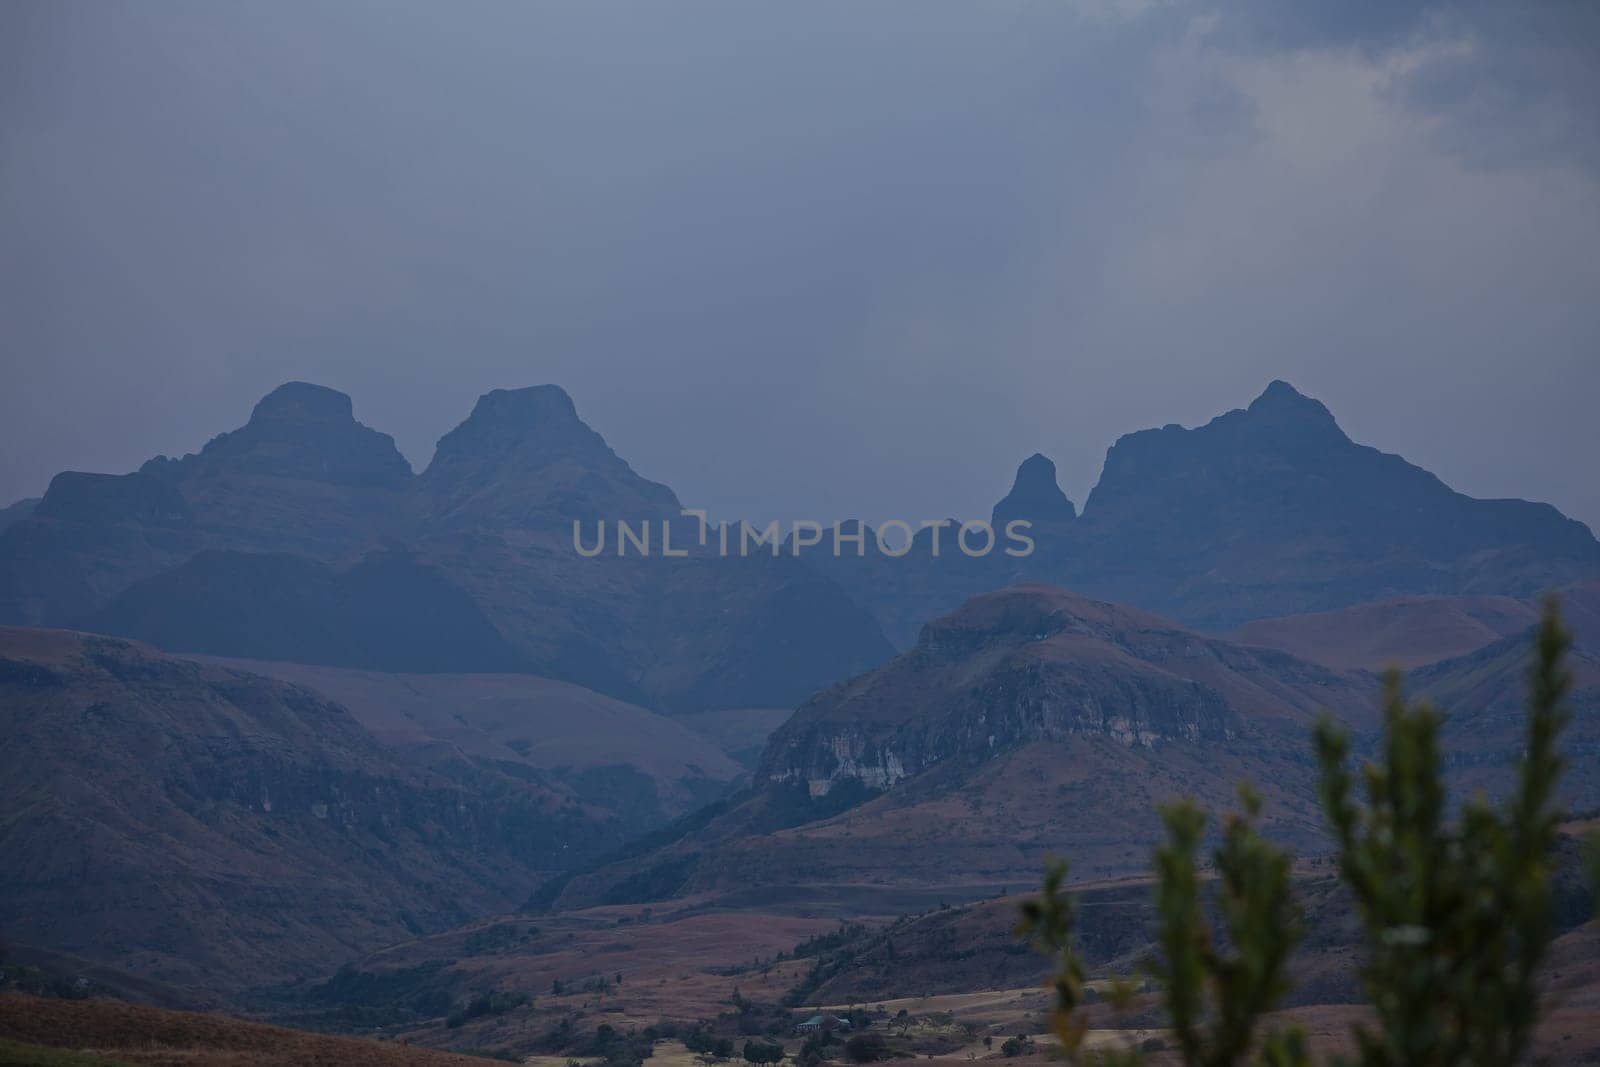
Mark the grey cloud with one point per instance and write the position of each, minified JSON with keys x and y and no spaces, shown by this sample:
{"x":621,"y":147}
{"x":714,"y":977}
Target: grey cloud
{"x":811,"y":259}
{"x":1510,"y":85}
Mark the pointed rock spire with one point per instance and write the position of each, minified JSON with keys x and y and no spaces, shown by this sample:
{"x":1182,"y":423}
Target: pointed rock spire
{"x":1034,"y":495}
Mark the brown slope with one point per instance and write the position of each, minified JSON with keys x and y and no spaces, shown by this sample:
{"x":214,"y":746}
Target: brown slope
{"x":522,"y":720}
{"x":128,"y":1033}
{"x":1404,"y":632}
{"x":197,"y":825}
{"x":1483,"y":697}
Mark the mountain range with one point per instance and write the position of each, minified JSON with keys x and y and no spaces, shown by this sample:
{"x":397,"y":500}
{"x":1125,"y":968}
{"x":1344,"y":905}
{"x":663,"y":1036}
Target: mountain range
{"x":1264,"y":511}
{"x":304,"y":535}
{"x":278,"y":703}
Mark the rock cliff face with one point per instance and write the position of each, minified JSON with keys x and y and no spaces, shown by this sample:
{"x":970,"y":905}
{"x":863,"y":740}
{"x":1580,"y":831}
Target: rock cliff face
{"x":1036,"y":663}
{"x":1030,"y":721}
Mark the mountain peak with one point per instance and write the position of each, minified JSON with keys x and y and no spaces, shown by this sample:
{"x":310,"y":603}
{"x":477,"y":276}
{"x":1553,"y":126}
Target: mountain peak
{"x":1282,"y":400}
{"x":304,"y":402}
{"x":298,"y":431}
{"x":1035,"y":495}
{"x":539,"y":419}
{"x":527,"y":406}
{"x":525,"y":458}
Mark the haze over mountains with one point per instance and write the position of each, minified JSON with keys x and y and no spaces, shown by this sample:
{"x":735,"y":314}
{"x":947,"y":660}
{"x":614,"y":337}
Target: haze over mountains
{"x":304,"y":535}
{"x":414,"y":690}
{"x":212,"y":829}
{"x":1264,"y":511}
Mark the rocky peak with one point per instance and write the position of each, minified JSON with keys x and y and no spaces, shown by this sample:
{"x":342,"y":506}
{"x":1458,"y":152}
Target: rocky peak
{"x":538,"y":421}
{"x":1281,"y":406}
{"x":303,"y":402}
{"x":1283,"y":434}
{"x":525,"y":458}
{"x":299,"y":431}
{"x":1035,"y":495}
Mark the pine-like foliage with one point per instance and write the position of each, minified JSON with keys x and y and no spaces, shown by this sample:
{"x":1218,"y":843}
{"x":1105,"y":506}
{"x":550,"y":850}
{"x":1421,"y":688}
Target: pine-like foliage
{"x":1216,"y":996}
{"x":1457,"y":912}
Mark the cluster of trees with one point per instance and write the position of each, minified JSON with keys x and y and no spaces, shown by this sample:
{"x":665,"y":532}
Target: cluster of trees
{"x":763,"y":1052}
{"x":1456,"y":912}
{"x":493,"y":1003}
{"x":614,"y":1047}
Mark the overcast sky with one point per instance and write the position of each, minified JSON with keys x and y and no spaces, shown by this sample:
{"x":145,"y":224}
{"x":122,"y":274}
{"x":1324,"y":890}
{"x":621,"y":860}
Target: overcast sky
{"x":807,"y":258}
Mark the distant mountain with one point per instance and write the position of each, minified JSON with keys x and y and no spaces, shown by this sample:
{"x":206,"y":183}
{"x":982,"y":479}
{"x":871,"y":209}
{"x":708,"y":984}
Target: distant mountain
{"x":523,"y":460}
{"x":303,"y":535}
{"x":201,"y":826}
{"x":1030,"y":721}
{"x":1405,"y":632}
{"x":301,"y":476}
{"x":496,"y":510}
{"x":386,"y":613}
{"x":1265,"y":511}
{"x":1035,"y":496}
{"x":1273,"y":510}
{"x":90,"y":537}
{"x":16,"y":512}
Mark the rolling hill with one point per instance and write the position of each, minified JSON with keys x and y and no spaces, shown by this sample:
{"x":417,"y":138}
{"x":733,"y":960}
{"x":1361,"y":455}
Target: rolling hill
{"x":212,"y":829}
{"x":1031,"y":720}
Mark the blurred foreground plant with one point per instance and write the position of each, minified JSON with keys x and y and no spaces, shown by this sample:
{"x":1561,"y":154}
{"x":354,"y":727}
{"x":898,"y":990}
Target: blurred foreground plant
{"x":1457,"y":916}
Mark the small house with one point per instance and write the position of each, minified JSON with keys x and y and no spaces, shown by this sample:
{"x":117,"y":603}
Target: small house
{"x":822,"y":1022}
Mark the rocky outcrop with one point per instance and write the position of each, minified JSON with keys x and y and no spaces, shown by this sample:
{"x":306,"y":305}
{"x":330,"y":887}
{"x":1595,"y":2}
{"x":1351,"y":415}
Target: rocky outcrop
{"x":524,"y":460}
{"x":1036,"y":664}
{"x":1035,"y":496}
{"x":298,"y":431}
{"x":1029,"y":722}
{"x":1273,"y":510}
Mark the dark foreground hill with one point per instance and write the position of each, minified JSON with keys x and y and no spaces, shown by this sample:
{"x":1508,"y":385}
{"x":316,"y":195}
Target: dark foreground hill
{"x":209,"y":828}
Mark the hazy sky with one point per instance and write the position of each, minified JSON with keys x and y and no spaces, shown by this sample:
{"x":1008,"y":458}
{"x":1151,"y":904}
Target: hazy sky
{"x":807,"y":258}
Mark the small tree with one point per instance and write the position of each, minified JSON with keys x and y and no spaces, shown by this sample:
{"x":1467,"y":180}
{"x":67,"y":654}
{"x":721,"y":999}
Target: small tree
{"x":1216,"y":996}
{"x":1458,"y":916}
{"x":762,"y":1052}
